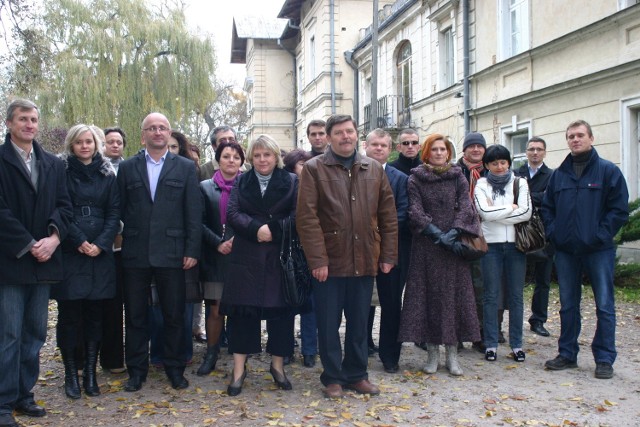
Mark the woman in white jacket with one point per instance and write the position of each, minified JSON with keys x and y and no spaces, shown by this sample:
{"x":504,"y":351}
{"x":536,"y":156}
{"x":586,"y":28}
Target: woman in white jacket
{"x":499,"y":211}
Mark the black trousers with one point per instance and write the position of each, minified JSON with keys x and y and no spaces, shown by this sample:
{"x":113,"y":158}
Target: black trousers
{"x":335,"y":296}
{"x":245,"y":338}
{"x":75,"y":315}
{"x":112,"y":350}
{"x":171,"y":293}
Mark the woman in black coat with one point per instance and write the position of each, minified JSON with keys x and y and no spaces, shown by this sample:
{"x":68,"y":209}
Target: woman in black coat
{"x":252,"y":292}
{"x":89,"y":268}
{"x":217,"y":243}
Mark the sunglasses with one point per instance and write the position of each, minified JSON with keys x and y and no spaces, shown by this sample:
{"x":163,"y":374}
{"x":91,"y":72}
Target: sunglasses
{"x":410,"y":142}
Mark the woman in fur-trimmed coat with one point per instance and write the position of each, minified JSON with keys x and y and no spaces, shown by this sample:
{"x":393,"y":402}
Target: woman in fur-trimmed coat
{"x":439,"y":303}
{"x":89,"y":266}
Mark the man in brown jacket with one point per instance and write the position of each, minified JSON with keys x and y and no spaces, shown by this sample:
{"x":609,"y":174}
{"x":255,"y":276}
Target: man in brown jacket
{"x":346,"y":219}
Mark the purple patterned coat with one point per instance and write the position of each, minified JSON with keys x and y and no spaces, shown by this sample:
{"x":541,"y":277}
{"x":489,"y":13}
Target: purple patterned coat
{"x":439,"y":303}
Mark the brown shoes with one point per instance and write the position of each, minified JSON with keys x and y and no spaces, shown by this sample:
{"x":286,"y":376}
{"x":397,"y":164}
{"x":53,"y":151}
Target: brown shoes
{"x":363,"y":387}
{"x":333,"y":391}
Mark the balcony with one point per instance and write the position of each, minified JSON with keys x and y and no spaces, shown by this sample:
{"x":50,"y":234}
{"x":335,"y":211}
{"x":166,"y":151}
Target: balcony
{"x":393,"y":113}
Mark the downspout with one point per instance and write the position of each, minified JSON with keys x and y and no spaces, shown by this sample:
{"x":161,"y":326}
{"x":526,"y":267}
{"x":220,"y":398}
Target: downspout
{"x":295,"y":82}
{"x":465,"y":65}
{"x":348,"y":56}
{"x":332,"y":41}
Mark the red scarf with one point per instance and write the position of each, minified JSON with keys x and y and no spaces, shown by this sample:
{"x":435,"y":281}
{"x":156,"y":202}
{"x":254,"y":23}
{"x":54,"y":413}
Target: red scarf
{"x":475,"y":169}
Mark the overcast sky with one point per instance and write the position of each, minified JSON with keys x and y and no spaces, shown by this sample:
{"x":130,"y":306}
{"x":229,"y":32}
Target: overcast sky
{"x":215,"y":17}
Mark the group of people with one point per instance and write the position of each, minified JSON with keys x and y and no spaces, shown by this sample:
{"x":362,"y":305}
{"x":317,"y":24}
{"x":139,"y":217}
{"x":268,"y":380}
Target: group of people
{"x":92,"y":230}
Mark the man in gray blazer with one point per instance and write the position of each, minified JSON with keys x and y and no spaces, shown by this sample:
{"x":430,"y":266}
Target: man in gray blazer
{"x":162,"y":215}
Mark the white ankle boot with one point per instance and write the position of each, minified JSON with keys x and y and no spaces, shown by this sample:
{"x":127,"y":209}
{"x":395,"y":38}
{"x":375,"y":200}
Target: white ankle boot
{"x":432,"y":359}
{"x":452,"y":360}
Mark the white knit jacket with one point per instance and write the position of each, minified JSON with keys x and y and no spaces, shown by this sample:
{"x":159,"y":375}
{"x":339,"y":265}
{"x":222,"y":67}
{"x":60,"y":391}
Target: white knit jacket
{"x":498,"y":215}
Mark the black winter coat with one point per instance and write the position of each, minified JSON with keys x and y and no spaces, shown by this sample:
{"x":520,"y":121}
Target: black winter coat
{"x":537,"y":184}
{"x":28,"y":213}
{"x":212,"y":263}
{"x":96,"y":219}
{"x":252,"y":286}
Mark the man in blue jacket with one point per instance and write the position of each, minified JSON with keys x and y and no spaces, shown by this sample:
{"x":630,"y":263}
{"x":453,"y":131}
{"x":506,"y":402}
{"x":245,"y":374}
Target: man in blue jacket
{"x":35,"y":212}
{"x":585,"y":205}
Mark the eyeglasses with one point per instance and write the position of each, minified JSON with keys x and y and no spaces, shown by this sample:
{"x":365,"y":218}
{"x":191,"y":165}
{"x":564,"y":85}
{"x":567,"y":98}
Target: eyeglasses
{"x":535,"y":150}
{"x":154,"y":129}
{"x":410,"y":143}
{"x":226,"y":139}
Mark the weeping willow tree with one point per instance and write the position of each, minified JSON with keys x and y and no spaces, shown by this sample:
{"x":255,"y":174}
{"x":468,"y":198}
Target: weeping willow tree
{"x":114,"y":61}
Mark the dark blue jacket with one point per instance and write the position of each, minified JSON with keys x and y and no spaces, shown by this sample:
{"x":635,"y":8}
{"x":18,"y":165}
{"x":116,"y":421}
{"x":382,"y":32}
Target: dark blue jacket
{"x":582,"y":215}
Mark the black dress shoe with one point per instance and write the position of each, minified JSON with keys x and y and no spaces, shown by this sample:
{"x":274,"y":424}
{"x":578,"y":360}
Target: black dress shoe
{"x":235,"y":387}
{"x":422,"y":345}
{"x":31,"y":409}
{"x":280,"y":378}
{"x":309,"y":360}
{"x":179,"y":382}
{"x":7,"y":420}
{"x":539,"y":329}
{"x":133,"y":384}
{"x":390,"y":369}
{"x":478,"y":346}
{"x":200,"y":337}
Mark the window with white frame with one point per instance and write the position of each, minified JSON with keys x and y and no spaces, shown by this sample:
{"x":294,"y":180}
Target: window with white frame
{"x":514,"y":27}
{"x":403,"y":74}
{"x":312,"y":58}
{"x":447,"y":58}
{"x":515,"y":138}
{"x":630,"y":144}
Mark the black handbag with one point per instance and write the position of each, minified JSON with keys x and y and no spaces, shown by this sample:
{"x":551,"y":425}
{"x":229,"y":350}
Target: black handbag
{"x":529,"y":234}
{"x":296,"y":277}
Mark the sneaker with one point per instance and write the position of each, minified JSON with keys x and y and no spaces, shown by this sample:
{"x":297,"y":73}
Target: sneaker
{"x":560,"y":363}
{"x":604,"y":370}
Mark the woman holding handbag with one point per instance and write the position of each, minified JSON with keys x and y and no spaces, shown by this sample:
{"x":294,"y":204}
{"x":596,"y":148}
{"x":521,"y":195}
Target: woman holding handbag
{"x":499,"y":211}
{"x":259,"y":201}
{"x":439,"y":304}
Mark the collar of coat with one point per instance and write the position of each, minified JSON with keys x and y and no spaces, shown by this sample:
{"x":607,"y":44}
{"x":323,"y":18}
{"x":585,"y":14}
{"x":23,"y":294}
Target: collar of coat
{"x":106,"y":168}
{"x":330,"y":159}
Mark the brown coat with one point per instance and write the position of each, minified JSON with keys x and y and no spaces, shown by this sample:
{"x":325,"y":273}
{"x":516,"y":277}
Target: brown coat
{"x":346,"y":219}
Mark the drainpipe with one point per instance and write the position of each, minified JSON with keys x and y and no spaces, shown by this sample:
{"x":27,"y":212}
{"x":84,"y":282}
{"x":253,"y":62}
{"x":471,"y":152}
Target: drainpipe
{"x":373,"y":116}
{"x":295,"y":93}
{"x":332,"y":41}
{"x":465,"y":65}
{"x":348,"y":56}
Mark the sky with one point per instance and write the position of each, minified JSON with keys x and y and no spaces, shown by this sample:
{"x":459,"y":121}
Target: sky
{"x":215,"y":17}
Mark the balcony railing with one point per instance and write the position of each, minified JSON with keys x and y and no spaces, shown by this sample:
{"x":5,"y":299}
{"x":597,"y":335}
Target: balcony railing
{"x":393,"y":112}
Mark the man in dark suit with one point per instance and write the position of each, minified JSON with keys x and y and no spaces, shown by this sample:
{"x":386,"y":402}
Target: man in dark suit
{"x":35,"y":213}
{"x":162,"y":215}
{"x":390,"y":285}
{"x":537,"y":175}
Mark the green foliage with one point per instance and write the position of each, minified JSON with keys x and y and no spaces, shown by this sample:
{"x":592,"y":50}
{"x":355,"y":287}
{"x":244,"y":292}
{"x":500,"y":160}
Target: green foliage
{"x":627,"y":275}
{"x":630,"y":232}
{"x":111,"y":62}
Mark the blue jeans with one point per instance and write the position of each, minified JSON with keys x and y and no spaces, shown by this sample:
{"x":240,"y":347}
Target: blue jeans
{"x":599,"y":268}
{"x":309,"y":331}
{"x":503,"y":261}
{"x":23,"y":330}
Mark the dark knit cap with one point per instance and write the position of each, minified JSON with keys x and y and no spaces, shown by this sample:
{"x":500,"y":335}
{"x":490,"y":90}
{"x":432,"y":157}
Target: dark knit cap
{"x":473,"y":138}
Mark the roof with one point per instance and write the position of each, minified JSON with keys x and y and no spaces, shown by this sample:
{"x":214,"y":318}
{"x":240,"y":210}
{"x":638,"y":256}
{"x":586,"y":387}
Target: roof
{"x":252,"y":27}
{"x":291,"y":9}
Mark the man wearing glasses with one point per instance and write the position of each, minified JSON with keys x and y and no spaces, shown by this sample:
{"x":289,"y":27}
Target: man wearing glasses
{"x":220,"y":134}
{"x":162,"y":214}
{"x":537,"y":175}
{"x":409,"y":147}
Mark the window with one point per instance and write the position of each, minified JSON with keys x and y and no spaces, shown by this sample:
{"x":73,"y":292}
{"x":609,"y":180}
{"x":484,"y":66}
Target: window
{"x":447,"y":60}
{"x":300,"y":83}
{"x":312,"y":58}
{"x":403,"y":70}
{"x":623,"y":4}
{"x":514,"y":20}
{"x":515,"y":137}
{"x":630,"y":144}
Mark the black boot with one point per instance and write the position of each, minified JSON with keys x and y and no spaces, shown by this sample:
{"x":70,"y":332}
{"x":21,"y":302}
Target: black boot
{"x":71,"y":383}
{"x":209,"y":361}
{"x":89,"y":381}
